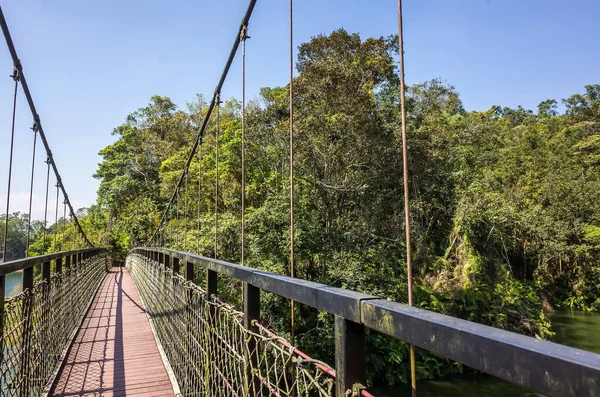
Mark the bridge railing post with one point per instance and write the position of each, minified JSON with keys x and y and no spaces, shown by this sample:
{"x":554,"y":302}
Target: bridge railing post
{"x":58,"y":265}
{"x":350,"y":356}
{"x":2,"y":314}
{"x":175,"y":265}
{"x":211,"y":290}
{"x":251,"y":315}
{"x":188,"y":313}
{"x":26,"y":336}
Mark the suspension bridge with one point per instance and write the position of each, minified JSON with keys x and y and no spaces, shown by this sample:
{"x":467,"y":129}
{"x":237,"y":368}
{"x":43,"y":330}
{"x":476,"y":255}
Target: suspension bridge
{"x":157,"y":326}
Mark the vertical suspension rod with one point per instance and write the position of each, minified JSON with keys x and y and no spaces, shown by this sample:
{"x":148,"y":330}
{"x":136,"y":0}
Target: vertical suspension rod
{"x":413,"y":374}
{"x":185,"y":209}
{"x":217,"y":176}
{"x":15,"y":77}
{"x":56,"y":216}
{"x":292,"y":223}
{"x":46,"y":207}
{"x":64,"y":226}
{"x":34,"y":128}
{"x":199,"y":196}
{"x":244,"y":36}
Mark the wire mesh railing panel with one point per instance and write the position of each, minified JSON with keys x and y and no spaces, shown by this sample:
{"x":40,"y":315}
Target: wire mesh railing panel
{"x":39,"y":323}
{"x":209,"y":349}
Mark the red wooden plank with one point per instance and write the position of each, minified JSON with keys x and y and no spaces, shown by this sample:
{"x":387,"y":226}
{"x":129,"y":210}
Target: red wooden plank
{"x":115,"y":353}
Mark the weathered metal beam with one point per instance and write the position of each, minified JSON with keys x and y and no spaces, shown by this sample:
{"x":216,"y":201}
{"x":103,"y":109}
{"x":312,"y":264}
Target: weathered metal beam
{"x":540,"y":365}
{"x":543,"y":366}
{"x":21,"y":264}
{"x":333,"y":300}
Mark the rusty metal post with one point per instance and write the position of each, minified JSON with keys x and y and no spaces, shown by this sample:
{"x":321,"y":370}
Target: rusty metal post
{"x":211,"y":290}
{"x":27,"y":286}
{"x":251,"y":315}
{"x":350,"y":356}
{"x":175,"y":265}
{"x":46,"y":271}
{"x":58,"y":265}
{"x":189,"y":271}
{"x":211,"y":282}
{"x":2,"y":293}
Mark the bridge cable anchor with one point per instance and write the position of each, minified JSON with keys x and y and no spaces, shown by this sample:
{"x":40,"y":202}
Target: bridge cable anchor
{"x":244,"y":33}
{"x":15,"y":74}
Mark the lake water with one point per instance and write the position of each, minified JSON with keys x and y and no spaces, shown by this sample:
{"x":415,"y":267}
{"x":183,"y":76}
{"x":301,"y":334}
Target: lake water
{"x":576,"y":329}
{"x":13,"y":283}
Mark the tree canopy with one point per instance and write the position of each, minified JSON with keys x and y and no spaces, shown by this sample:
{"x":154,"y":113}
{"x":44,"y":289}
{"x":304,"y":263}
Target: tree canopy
{"x":505,"y":221}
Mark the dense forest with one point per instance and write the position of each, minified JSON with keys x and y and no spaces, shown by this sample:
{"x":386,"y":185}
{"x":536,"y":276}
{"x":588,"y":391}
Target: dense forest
{"x":506,"y":226}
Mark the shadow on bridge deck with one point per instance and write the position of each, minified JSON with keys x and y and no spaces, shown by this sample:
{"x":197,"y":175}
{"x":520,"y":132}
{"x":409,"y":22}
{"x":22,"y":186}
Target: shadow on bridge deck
{"x":114,"y":353}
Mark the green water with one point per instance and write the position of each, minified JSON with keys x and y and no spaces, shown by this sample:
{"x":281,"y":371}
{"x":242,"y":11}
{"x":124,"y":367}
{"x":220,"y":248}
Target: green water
{"x":576,"y":329}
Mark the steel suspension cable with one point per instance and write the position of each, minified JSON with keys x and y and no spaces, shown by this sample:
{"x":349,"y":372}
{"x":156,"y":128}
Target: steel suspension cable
{"x":244,"y":36}
{"x":64,"y":228}
{"x":36,"y":118}
{"x":34,"y":128}
{"x":56,"y":215}
{"x":71,"y":231}
{"x":177,"y":222}
{"x":199,"y":196}
{"x":15,"y":77}
{"x":185,"y":208}
{"x":46,"y":205}
{"x":292,"y":223}
{"x":217,"y":92}
{"x":413,"y":374}
{"x":217,"y":176}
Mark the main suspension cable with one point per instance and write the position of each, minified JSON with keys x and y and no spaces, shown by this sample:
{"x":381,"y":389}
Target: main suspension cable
{"x":217,"y":92}
{"x":15,"y":76}
{"x":36,"y":118}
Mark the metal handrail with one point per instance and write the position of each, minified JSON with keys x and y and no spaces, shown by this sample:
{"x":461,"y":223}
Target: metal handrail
{"x":21,"y":264}
{"x":540,"y":365}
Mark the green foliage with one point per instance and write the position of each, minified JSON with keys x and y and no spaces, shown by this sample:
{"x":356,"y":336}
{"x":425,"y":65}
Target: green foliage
{"x":503,"y":208}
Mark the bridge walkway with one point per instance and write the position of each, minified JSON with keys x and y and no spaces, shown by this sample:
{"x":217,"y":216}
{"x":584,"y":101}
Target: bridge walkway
{"x":115,"y":352}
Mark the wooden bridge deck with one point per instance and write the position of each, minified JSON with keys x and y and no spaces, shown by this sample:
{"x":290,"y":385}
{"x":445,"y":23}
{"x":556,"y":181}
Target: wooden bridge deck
{"x":115,"y":353}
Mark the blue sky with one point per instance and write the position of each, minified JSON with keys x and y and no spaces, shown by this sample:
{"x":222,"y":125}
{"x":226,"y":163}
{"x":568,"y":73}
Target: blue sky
{"x":89,"y":64}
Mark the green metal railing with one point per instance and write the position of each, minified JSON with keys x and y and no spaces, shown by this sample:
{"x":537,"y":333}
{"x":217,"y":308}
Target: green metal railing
{"x":38,"y":324}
